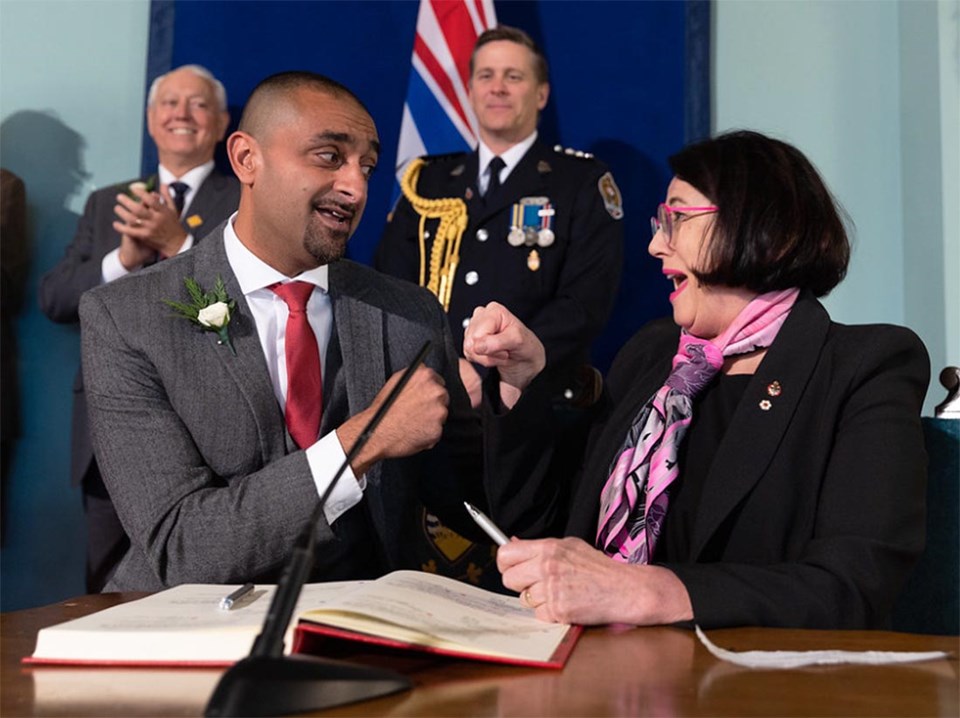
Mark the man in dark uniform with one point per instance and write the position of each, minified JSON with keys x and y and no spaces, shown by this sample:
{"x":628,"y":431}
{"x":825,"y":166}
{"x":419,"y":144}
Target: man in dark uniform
{"x":541,"y":227}
{"x":127,"y":226}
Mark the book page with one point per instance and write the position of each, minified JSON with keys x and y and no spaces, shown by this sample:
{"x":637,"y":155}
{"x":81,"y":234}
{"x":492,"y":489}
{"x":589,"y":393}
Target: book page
{"x":426,"y":609}
{"x":184,"y":623}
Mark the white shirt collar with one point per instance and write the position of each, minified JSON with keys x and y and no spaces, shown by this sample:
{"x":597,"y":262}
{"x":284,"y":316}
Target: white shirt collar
{"x":511,"y":158}
{"x":253,"y":273}
{"x":194,"y":177}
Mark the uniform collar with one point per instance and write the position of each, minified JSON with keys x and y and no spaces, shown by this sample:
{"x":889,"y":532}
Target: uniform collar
{"x":511,"y":158}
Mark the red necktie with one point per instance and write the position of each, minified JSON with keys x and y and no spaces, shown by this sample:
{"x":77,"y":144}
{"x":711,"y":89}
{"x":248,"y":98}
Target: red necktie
{"x":304,"y":383}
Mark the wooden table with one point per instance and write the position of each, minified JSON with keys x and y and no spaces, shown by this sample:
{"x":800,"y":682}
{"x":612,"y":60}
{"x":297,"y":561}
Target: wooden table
{"x":639,"y":672}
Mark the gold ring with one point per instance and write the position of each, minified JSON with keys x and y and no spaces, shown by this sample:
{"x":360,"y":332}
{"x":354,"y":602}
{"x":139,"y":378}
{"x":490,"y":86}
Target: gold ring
{"x":526,"y":598}
{"x":137,"y":222}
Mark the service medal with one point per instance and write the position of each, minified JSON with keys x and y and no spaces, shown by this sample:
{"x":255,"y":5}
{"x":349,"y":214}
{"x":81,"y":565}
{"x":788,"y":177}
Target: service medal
{"x":532,"y":224}
{"x":533,"y":260}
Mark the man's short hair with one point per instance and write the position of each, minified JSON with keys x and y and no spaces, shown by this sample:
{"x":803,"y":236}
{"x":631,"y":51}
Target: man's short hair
{"x":219,"y":92}
{"x":777,"y":226}
{"x":514,"y":34}
{"x":284,"y":83}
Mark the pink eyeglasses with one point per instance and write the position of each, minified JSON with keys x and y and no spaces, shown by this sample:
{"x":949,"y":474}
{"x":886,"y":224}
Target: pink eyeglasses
{"x":665,"y":218}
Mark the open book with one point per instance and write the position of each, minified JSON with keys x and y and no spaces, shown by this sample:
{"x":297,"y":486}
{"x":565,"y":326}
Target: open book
{"x":404,"y":609}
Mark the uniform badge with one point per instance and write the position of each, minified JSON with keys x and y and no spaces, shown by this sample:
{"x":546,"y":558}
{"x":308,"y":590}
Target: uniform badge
{"x":532,"y":223}
{"x":448,"y":543}
{"x":610,"y":193}
{"x":194,"y":221}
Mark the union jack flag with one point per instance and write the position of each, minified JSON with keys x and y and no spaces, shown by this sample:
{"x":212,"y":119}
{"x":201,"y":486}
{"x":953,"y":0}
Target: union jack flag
{"x":437,"y":117}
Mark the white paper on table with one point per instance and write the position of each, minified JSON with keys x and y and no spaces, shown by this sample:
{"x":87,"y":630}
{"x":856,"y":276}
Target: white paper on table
{"x":798,"y":659}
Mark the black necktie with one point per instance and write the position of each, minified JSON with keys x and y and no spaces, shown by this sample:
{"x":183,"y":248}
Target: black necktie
{"x":180,"y":190}
{"x":496,"y":164}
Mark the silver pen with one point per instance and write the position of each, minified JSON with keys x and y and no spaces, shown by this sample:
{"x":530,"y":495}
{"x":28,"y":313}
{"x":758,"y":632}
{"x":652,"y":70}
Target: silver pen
{"x":484,"y":522}
{"x":228,"y":601}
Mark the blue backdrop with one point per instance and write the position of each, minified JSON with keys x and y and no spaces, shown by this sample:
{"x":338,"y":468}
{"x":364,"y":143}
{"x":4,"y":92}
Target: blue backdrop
{"x":630,"y":83}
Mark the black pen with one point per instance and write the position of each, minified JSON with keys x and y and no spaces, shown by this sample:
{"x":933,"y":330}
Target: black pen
{"x":227,"y":602}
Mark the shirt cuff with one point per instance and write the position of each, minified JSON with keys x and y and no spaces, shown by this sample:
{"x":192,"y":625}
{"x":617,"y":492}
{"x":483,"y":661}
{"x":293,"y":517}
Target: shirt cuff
{"x":187,"y":244}
{"x":325,"y":457}
{"x":111,"y":268}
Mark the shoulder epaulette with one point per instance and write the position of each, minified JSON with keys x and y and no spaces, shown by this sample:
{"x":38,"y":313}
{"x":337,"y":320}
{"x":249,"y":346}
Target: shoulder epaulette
{"x":445,"y":157}
{"x":569,"y":151}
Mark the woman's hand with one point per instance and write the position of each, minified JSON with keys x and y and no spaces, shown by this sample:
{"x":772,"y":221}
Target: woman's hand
{"x":496,"y":338}
{"x":568,"y":581}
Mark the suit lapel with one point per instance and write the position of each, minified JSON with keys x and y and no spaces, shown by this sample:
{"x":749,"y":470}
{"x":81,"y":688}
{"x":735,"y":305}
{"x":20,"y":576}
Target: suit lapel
{"x":754,"y":433}
{"x":206,"y":205}
{"x":608,"y":443}
{"x":248,"y":368}
{"x":359,"y":327}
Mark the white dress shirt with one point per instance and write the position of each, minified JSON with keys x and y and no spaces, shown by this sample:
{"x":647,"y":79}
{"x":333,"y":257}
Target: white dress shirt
{"x":511,"y":158}
{"x":270,"y":317}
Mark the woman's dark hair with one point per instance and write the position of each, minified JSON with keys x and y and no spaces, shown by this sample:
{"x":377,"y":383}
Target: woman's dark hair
{"x":777,"y":225}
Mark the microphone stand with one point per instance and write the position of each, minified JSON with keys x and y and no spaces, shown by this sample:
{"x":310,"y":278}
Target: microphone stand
{"x":267,"y":683}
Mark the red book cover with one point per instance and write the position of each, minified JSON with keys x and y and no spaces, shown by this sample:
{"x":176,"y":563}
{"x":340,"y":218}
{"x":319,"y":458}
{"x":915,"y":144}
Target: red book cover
{"x":310,"y":637}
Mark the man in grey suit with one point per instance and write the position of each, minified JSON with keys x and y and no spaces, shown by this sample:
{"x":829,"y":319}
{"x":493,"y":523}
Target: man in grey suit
{"x":199,"y":434}
{"x":127,"y":226}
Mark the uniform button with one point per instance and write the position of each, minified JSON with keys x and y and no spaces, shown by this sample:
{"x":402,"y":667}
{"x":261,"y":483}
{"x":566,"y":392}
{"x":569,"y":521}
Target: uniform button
{"x":472,"y":278}
{"x":482,"y":235}
{"x":426,"y":235}
{"x":465,"y":322}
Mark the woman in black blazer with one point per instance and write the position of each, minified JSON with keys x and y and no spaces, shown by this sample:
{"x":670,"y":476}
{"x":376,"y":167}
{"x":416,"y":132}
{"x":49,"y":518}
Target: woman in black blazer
{"x":769,"y":471}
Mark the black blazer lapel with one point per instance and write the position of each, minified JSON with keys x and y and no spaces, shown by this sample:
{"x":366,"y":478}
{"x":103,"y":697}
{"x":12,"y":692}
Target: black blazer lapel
{"x":755,"y":433}
{"x":586,"y":507}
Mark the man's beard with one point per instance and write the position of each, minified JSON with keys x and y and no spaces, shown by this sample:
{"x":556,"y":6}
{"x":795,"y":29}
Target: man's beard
{"x":324,"y":244}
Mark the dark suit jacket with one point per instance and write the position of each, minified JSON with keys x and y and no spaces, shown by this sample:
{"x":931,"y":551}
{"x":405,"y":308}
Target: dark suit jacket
{"x":192,"y":442}
{"x":812,"y":513}
{"x":568,"y":299}
{"x":80,"y":269}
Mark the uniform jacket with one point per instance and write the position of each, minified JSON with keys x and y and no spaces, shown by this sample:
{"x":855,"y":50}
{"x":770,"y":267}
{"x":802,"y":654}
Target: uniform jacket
{"x":192,"y":443}
{"x":568,"y":299}
{"x":812,"y":514}
{"x":80,"y":269}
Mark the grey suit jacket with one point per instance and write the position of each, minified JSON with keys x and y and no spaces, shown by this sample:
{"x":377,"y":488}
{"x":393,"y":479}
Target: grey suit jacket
{"x":192,"y":442}
{"x":80,"y":269}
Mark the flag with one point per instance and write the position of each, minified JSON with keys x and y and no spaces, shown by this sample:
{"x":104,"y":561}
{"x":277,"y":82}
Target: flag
{"x":437,"y":117}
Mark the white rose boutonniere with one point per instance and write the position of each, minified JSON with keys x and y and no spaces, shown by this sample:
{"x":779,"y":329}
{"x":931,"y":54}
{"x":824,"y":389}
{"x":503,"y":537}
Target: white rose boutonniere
{"x":212,"y":311}
{"x":216,"y":315}
{"x":147,"y":186}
